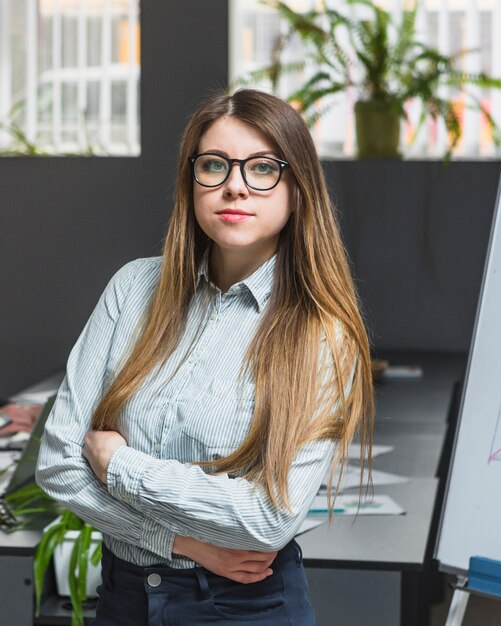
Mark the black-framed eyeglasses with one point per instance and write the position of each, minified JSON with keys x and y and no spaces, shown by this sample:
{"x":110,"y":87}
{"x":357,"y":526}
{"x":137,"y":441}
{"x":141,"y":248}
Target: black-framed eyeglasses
{"x":261,"y":173}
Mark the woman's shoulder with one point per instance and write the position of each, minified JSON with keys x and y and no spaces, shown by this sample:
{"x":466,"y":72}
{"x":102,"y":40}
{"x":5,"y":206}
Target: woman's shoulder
{"x":133,"y":281}
{"x":143,"y":264}
{"x":138,"y":272}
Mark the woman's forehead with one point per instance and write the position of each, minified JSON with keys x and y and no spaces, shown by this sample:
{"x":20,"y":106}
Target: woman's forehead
{"x":230,"y":134}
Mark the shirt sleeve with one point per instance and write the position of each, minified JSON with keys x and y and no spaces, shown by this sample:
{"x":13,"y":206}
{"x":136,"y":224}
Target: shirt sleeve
{"x":225,"y":511}
{"x":231,"y":512}
{"x":62,"y":472}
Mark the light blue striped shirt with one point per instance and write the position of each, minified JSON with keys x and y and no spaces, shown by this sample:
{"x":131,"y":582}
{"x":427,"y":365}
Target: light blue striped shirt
{"x":190,"y":409}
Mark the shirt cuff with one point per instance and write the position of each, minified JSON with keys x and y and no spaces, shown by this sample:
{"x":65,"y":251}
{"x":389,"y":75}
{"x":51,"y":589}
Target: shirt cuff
{"x":125,"y":470}
{"x":157,"y":538}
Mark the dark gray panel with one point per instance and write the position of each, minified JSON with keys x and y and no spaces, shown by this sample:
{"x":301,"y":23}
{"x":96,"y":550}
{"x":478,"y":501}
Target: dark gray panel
{"x":417,"y":235}
{"x":354,"y":597}
{"x":16,"y":590}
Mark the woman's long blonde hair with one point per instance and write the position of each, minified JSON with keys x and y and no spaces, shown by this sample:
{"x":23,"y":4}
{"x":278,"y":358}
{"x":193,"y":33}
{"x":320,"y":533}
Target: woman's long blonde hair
{"x":311,"y":341}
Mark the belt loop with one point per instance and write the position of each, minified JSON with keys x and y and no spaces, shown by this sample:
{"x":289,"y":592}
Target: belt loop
{"x":204,"y":583}
{"x":299,"y":554}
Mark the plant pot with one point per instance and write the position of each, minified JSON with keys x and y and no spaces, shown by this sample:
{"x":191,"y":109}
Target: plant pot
{"x":62,"y":554}
{"x":378,"y":130}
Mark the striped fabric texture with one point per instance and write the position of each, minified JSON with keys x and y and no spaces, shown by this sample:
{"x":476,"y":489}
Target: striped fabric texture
{"x":190,"y":409}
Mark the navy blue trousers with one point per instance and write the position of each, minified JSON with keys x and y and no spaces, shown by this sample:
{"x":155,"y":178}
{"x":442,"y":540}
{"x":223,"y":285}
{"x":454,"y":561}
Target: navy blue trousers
{"x":162,"y":596}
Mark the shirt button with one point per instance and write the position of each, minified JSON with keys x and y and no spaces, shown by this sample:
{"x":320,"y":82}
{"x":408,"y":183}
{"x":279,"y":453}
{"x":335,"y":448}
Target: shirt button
{"x":154,"y":580}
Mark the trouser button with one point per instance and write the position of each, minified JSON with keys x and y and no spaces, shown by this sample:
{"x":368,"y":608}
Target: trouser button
{"x":154,"y":580}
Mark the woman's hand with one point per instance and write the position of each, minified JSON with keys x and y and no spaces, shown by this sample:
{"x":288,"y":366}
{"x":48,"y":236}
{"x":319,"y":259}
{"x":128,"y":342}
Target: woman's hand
{"x":22,"y":418}
{"x":99,"y":446}
{"x":243,"y":566}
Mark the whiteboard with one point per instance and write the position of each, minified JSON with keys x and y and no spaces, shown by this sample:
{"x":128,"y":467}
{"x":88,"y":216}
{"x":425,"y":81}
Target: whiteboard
{"x":471,"y":514}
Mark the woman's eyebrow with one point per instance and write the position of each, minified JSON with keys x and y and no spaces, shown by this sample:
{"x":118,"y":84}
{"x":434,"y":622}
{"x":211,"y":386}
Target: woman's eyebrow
{"x":254,"y":154}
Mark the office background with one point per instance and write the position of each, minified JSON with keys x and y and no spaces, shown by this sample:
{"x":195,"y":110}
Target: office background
{"x":416,"y":233}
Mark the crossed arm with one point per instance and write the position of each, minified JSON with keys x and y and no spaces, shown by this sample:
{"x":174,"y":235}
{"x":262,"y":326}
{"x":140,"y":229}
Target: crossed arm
{"x":244,"y":566}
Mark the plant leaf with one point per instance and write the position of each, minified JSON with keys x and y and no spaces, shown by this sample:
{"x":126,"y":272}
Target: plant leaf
{"x":96,"y":556}
{"x":83,"y":556}
{"x":76,"y":602}
{"x":43,"y":556}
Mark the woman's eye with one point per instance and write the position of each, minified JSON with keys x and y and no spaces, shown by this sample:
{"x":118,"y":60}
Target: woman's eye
{"x":214,"y":165}
{"x":264,"y":167}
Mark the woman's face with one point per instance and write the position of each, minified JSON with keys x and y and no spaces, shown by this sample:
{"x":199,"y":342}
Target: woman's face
{"x":266,"y":212}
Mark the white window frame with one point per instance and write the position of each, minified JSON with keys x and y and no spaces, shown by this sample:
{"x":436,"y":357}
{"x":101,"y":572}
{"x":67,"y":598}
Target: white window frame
{"x":80,"y":75}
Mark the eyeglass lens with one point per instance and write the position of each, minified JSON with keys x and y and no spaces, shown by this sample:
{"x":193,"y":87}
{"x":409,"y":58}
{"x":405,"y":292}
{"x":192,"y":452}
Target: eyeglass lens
{"x":259,"y":172}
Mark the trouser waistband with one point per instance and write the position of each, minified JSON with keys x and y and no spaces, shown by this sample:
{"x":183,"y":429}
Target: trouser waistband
{"x":159,"y":578}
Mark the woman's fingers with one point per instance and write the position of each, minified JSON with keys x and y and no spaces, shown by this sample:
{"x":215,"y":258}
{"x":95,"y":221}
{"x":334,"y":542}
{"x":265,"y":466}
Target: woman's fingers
{"x":243,"y":566}
{"x":248,"y":577}
{"x":249,"y":561}
{"x":261,"y":557}
{"x":255,"y":566}
{"x":252,"y":555}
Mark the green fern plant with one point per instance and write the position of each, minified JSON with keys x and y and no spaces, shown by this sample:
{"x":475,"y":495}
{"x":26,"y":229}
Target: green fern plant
{"x":383,"y":60}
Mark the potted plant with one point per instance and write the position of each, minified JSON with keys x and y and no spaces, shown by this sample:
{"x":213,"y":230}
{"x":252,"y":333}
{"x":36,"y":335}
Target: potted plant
{"x":383,"y":61}
{"x":22,"y":146}
{"x":73,"y":544}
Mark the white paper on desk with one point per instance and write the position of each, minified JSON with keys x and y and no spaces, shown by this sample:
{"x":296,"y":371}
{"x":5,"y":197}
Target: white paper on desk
{"x":402,"y":371}
{"x":377,"y":450}
{"x":351,"y":505}
{"x":309,"y":524}
{"x":351,"y":478}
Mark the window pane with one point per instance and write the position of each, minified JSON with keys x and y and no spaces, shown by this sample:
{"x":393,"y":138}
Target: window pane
{"x":70,"y":40}
{"x":118,"y":101}
{"x":69,"y":102}
{"x":93,"y":96}
{"x":73,"y":72}
{"x":94,"y":41}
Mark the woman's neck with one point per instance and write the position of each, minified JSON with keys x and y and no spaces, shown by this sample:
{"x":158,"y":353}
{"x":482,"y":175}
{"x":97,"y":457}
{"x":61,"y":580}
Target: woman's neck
{"x":228,"y":267}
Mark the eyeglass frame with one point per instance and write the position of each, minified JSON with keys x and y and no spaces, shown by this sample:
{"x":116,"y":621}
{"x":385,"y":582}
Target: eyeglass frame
{"x":283,"y":166}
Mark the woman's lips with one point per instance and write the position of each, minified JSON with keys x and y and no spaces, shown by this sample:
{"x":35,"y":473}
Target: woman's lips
{"x":234,"y":216}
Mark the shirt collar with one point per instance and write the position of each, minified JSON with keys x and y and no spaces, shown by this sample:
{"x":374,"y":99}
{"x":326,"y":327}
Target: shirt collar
{"x":203,"y":269}
{"x":259,"y":283}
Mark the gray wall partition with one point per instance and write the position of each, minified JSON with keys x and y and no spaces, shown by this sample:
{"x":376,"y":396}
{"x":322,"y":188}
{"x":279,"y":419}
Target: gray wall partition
{"x":416,"y":234}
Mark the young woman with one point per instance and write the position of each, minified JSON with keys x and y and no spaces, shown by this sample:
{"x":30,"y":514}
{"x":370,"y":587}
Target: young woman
{"x":213,"y":388}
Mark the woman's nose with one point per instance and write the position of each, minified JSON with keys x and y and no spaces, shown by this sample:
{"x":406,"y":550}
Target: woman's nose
{"x":235,"y":184}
